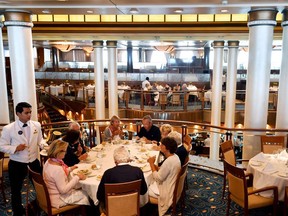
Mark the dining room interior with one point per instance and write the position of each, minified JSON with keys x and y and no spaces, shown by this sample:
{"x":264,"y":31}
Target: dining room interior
{"x":215,"y":76}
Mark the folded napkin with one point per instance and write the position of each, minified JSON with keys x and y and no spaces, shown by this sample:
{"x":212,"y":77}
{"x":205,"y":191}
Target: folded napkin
{"x":260,"y":157}
{"x":154,"y":188}
{"x":283,"y":154}
{"x":269,"y":168}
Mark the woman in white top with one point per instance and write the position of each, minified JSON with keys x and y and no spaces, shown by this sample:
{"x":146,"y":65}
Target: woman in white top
{"x":113,"y":131}
{"x":56,"y":176}
{"x":165,"y":176}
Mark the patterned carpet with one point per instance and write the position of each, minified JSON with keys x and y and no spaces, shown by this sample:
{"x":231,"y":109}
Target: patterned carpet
{"x":203,"y":197}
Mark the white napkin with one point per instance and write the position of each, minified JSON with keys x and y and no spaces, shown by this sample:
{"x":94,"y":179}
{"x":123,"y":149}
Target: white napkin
{"x":269,"y":168}
{"x":260,"y":157}
{"x":154,"y":188}
{"x":283,"y":154}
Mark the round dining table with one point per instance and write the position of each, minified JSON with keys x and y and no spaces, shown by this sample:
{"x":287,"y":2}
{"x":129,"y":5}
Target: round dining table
{"x":270,"y":170}
{"x":100,"y":158}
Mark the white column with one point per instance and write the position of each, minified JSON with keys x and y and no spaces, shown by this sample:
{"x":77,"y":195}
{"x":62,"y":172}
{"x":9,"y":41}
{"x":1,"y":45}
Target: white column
{"x":231,"y":80}
{"x":19,"y":29}
{"x":261,"y":25}
{"x":112,"y":78}
{"x":4,"y":114}
{"x":99,"y":80}
{"x":216,"y":97}
{"x":282,"y":102}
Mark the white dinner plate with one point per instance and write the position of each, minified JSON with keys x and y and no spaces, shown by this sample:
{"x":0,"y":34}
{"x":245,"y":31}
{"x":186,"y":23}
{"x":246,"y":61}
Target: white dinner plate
{"x":96,"y":148}
{"x":85,"y":171}
{"x":255,"y":163}
{"x":283,"y":174}
{"x":89,"y":160}
{"x":146,"y":168}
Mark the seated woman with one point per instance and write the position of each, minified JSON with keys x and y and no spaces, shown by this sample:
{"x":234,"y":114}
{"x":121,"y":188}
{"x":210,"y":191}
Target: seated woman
{"x":75,"y":152}
{"x":113,"y":131}
{"x":165,"y":129}
{"x":55,"y":174}
{"x":165,"y":176}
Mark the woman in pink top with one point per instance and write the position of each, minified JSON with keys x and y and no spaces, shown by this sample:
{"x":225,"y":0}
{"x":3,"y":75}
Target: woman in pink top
{"x":61,"y":188}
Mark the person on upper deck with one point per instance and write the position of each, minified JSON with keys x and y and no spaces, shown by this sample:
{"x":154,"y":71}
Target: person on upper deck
{"x":149,"y":132}
{"x":146,"y":81}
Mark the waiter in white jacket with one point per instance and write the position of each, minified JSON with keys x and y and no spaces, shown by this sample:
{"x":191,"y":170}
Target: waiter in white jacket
{"x":21,"y":139}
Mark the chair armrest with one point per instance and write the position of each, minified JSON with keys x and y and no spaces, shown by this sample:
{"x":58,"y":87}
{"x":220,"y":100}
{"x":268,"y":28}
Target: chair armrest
{"x":274,"y":188}
{"x":242,"y":160}
{"x":249,"y":179}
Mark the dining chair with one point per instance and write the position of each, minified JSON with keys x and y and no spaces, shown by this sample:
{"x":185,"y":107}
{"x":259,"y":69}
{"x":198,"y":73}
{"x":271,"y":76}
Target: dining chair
{"x":1,"y":175}
{"x":123,"y":198}
{"x":272,"y":144}
{"x":247,"y":197}
{"x":43,"y":199}
{"x":285,"y":201}
{"x":176,"y":99}
{"x":179,"y":192}
{"x":228,"y":154}
{"x":187,"y":143}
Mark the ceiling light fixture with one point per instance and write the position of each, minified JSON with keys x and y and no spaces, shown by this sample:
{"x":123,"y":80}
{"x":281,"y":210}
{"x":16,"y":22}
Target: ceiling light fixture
{"x":165,"y":48}
{"x":46,"y":11}
{"x":88,"y":49}
{"x":179,"y":10}
{"x":224,"y":11}
{"x":224,"y":2}
{"x":64,"y":47}
{"x":90,"y":11}
{"x":134,"y":11}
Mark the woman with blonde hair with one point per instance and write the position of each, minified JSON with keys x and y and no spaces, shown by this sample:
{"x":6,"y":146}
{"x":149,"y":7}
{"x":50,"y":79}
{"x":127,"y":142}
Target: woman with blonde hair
{"x":56,"y":176}
{"x":113,"y":131}
{"x":165,"y":129}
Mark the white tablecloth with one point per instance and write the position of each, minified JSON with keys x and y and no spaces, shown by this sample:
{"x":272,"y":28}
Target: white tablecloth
{"x":54,"y":90}
{"x":269,"y":170}
{"x":104,"y":158}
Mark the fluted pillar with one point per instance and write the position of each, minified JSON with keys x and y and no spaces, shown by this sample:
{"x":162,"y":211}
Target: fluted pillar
{"x":129,"y":57}
{"x":261,"y":25}
{"x":19,"y":29}
{"x":4,"y":114}
{"x":99,"y":80}
{"x":231,"y":81}
{"x":216,"y":97}
{"x":112,"y":78}
{"x":282,"y":102}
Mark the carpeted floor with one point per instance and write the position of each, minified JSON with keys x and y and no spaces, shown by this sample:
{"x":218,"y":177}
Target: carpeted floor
{"x":203,"y":197}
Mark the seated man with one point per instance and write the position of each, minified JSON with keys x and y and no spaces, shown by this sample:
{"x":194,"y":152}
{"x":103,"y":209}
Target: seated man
{"x":122,"y":172}
{"x":149,"y":132}
{"x":181,"y":151}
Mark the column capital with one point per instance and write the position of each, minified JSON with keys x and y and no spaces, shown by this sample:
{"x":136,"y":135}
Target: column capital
{"x":262,"y":16}
{"x":18,"y":18}
{"x":232,"y":44}
{"x":285,"y":17}
{"x":111,"y":44}
{"x":218,"y":44}
{"x":97,"y":44}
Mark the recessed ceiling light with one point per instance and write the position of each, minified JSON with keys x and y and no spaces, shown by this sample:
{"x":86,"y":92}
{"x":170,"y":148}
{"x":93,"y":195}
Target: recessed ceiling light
{"x":62,"y":0}
{"x":179,"y":10}
{"x":224,"y":2}
{"x":90,"y":11}
{"x":46,"y":11}
{"x":224,"y":11}
{"x":134,"y":10}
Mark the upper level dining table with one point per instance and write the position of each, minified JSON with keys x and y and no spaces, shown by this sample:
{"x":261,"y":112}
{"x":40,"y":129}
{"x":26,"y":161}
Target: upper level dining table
{"x":270,"y":170}
{"x":102,"y":157}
